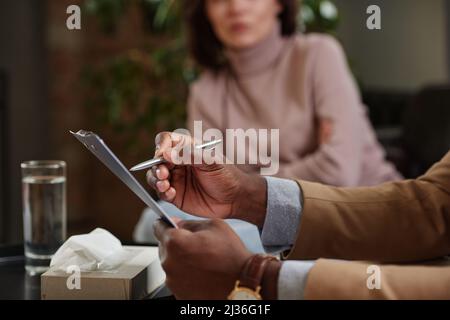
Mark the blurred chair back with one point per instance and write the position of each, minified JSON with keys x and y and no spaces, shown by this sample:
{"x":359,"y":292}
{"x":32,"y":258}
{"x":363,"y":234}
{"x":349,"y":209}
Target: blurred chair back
{"x":427,"y":128}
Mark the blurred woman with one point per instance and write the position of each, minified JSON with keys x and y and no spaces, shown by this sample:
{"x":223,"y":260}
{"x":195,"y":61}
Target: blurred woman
{"x":258,"y":72}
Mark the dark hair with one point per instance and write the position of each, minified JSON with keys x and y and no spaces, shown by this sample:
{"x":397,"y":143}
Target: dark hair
{"x":206,"y":48}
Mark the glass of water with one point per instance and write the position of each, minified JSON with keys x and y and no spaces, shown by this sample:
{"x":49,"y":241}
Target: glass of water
{"x":44,"y":212}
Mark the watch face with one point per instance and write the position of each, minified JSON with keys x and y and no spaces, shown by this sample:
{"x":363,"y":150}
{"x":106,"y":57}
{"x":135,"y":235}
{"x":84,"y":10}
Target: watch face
{"x":244,"y":294}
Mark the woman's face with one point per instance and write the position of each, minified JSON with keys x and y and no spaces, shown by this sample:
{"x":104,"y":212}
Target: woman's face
{"x":242,"y":23}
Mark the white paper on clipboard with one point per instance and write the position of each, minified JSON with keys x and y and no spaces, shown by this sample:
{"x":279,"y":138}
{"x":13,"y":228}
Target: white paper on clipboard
{"x":96,"y":145}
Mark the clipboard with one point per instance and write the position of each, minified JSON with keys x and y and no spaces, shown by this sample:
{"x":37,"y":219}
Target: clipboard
{"x":96,"y":145}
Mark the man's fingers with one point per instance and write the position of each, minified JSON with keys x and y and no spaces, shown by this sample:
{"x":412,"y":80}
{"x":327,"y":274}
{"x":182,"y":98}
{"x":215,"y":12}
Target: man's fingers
{"x":154,"y":175}
{"x":177,"y":148}
{"x":162,"y":185}
{"x":176,"y":220}
{"x":161,"y":230}
{"x":167,"y":140}
{"x":194,"y":225}
{"x":162,"y":172}
{"x":151,"y":179}
{"x":153,"y":169}
{"x":169,"y":195}
{"x":163,"y":141}
{"x":164,"y":233}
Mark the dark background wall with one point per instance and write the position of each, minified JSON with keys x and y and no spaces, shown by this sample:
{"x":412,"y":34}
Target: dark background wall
{"x":3,"y":148}
{"x":45,"y":63}
{"x":22,"y":58}
{"x":409,"y":52}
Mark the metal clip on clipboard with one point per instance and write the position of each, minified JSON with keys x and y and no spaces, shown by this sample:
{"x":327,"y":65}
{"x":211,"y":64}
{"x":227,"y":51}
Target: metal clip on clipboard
{"x":96,"y":145}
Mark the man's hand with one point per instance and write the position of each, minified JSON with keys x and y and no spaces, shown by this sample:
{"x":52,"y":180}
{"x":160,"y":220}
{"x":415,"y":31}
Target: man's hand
{"x":202,"y":259}
{"x":207,"y":190}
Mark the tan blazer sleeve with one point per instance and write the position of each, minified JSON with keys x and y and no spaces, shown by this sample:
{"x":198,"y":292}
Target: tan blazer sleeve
{"x":334,"y":279}
{"x":394,"y":222}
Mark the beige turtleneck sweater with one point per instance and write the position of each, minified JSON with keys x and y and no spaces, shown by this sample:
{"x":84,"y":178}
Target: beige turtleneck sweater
{"x":289,"y":84}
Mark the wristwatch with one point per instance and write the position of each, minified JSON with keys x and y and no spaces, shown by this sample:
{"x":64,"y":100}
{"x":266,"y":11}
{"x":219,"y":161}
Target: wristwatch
{"x":248,"y":286}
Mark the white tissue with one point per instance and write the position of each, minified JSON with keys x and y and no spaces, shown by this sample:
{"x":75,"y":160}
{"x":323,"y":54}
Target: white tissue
{"x":98,"y":250}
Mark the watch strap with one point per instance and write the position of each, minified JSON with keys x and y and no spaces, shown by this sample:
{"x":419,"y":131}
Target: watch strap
{"x":253,"y":271}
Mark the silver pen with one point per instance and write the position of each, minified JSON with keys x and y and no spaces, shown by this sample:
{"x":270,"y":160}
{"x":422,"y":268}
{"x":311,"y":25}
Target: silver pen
{"x":153,"y":162}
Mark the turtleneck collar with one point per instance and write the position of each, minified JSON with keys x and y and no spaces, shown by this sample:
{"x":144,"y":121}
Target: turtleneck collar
{"x":257,"y":58}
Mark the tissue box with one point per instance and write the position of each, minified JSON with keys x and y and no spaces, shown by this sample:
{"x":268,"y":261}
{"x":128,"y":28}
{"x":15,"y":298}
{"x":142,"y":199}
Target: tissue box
{"x":134,"y":279}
